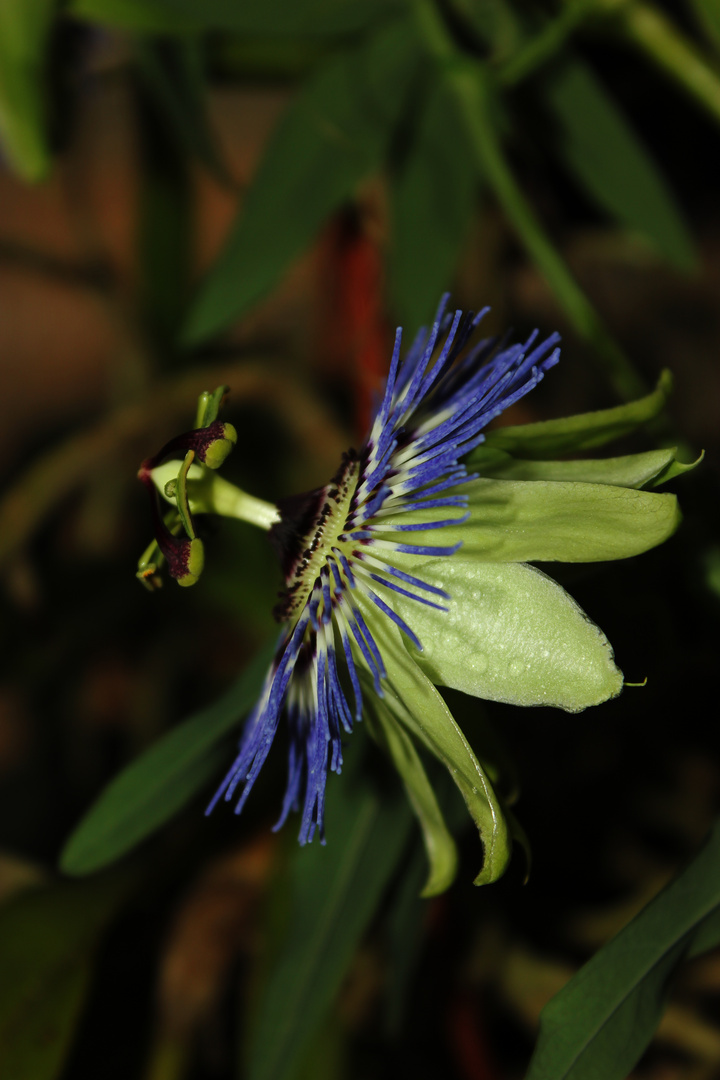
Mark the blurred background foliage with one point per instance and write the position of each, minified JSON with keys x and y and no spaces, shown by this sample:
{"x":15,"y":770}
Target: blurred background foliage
{"x":256,"y":194}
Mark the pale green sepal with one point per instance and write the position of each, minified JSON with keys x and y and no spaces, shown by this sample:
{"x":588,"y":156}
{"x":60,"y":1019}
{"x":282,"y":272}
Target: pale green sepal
{"x":416,"y":705}
{"x":547,"y":521}
{"x":676,"y":468}
{"x":582,"y":432}
{"x":510,"y":634}
{"x":439,"y":844}
{"x":632,"y":470}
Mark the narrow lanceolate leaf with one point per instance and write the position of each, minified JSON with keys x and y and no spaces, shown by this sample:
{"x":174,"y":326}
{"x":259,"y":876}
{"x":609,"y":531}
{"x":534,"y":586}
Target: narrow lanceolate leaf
{"x":572,"y":434}
{"x":334,"y":893}
{"x":432,"y":197}
{"x":25,"y":27}
{"x":160,"y":782}
{"x":609,"y":160}
{"x":48,"y":938}
{"x":333,"y":136}
{"x":510,"y":634}
{"x":173,"y":73}
{"x":473,"y":92}
{"x":439,"y":844}
{"x":631,"y":470}
{"x":603,"y":1019}
{"x":549,"y":521}
{"x":416,"y":705}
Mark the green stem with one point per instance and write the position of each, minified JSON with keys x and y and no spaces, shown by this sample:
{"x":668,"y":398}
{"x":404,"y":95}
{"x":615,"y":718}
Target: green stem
{"x":679,"y":58}
{"x":470,"y":83}
{"x":540,"y":49}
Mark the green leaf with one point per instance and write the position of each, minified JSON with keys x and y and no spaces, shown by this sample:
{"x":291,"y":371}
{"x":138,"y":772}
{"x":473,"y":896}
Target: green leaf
{"x":432,"y":200}
{"x":572,"y":434}
{"x":160,"y":782}
{"x":404,"y":926}
{"x":173,"y":73}
{"x":708,"y":15}
{"x":439,"y":844}
{"x":416,"y":705}
{"x":549,"y":521}
{"x":510,"y":634}
{"x":603,"y":1019}
{"x":632,"y":470}
{"x":475,"y":98}
{"x":608,"y":159}
{"x":25,"y":27}
{"x":335,"y":891}
{"x":272,"y":17}
{"x":333,"y":135}
{"x":48,"y":938}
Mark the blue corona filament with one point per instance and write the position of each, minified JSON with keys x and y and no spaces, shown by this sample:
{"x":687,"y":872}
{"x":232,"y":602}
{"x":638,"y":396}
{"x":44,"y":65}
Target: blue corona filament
{"x":343,"y":540}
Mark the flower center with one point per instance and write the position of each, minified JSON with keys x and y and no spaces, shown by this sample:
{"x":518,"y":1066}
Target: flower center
{"x":308,"y":529}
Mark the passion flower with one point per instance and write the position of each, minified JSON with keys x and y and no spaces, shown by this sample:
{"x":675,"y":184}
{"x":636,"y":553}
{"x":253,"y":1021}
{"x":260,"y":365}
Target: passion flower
{"x":409,"y":569}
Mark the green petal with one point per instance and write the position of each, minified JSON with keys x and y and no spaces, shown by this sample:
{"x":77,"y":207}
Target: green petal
{"x":511,"y":634}
{"x":632,"y":470}
{"x":416,"y":706}
{"x":439,"y":844}
{"x":582,"y":432}
{"x":546,"y":521}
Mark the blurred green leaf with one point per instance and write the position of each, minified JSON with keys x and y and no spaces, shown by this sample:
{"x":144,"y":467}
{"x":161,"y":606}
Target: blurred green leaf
{"x":476,"y":97}
{"x":25,"y":27}
{"x":660,"y":40}
{"x":162,"y":780}
{"x":631,"y":470}
{"x":432,"y":199}
{"x":404,"y":933}
{"x":608,"y":159}
{"x":271,"y":17}
{"x":708,"y":15}
{"x":334,"y":893}
{"x":573,"y":434}
{"x":603,"y":1019}
{"x":48,"y":937}
{"x":474,"y":93}
{"x":711,"y":569}
{"x":173,"y":73}
{"x":333,"y":135}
